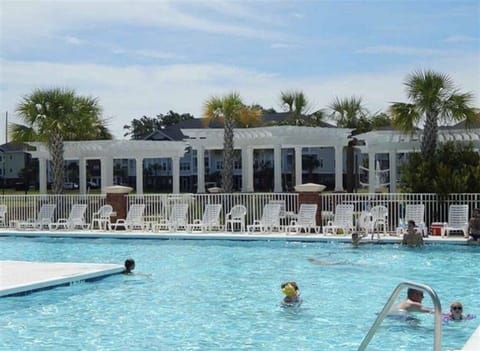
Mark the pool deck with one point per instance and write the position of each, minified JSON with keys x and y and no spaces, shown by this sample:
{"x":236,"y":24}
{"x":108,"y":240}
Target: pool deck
{"x":20,"y":277}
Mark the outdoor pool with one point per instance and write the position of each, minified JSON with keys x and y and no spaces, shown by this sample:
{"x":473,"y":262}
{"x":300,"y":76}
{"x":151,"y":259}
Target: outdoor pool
{"x":225,"y":295}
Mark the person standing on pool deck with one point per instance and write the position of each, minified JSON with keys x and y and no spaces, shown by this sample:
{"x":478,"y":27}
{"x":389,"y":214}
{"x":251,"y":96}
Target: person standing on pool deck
{"x":474,"y":226}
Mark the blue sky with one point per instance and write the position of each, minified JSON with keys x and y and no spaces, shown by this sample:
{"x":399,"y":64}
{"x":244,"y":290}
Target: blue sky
{"x":149,"y":57}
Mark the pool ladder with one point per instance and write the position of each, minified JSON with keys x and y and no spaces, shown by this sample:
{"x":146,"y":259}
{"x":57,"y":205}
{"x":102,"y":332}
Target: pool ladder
{"x":437,"y":340}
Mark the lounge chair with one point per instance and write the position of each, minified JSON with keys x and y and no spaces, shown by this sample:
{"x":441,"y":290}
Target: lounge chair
{"x":416,"y":213}
{"x":306,"y":219}
{"x":270,"y":219}
{"x":457,"y":220}
{"x":236,"y":216}
{"x":342,"y":220}
{"x":43,"y":219}
{"x":210,"y":219}
{"x":177,"y":219}
{"x":3,"y":213}
{"x":134,"y":219}
{"x":101,"y":218}
{"x":75,"y":219}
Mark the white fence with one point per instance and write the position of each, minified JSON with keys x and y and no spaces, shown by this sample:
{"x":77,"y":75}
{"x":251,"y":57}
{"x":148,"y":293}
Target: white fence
{"x":22,"y":207}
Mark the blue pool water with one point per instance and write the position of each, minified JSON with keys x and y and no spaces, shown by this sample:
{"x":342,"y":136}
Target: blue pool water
{"x":225,"y":295}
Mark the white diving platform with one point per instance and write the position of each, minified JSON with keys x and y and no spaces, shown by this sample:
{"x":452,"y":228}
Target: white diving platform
{"x":21,"y":277}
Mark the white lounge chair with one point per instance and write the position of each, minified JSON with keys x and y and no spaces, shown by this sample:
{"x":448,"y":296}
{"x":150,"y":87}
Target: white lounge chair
{"x":342,"y":220}
{"x":101,"y":218}
{"x":270,"y":220}
{"x":236,"y":216}
{"x":75,"y":219}
{"x":416,"y":213}
{"x":134,"y":219}
{"x":306,"y":219}
{"x":210,"y":219}
{"x":457,"y":220}
{"x":177,"y":219}
{"x":3,"y":214}
{"x":43,"y":219}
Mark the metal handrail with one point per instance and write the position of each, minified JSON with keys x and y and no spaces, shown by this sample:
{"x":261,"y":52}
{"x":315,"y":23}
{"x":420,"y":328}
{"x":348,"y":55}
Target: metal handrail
{"x":437,"y":340}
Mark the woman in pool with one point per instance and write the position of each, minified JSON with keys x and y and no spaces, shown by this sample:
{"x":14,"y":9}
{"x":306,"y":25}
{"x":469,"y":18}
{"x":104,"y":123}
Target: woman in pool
{"x":456,"y":313}
{"x":292,"y":294}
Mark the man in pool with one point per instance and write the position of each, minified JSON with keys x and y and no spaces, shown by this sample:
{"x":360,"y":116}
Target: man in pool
{"x":413,"y":303}
{"x":412,"y":237}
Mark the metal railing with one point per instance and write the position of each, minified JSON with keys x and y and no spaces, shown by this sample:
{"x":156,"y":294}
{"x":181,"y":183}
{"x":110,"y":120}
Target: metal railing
{"x":437,"y":338}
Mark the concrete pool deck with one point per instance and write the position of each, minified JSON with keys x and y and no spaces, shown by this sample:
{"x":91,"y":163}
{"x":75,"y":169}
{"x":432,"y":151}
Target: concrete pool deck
{"x":17,"y":277}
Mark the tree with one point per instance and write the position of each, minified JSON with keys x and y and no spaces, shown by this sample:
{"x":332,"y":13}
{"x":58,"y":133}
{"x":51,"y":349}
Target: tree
{"x":350,"y":113}
{"x":57,"y":115}
{"x":140,"y":128}
{"x":434,"y":99}
{"x":231,"y":110}
{"x":297,"y":104}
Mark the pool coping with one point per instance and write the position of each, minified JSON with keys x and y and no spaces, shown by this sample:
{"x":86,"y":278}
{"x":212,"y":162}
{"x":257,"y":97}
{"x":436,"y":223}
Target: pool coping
{"x":237,"y":236}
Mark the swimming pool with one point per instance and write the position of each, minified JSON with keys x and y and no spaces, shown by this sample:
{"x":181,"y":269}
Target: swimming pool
{"x":225,"y":295}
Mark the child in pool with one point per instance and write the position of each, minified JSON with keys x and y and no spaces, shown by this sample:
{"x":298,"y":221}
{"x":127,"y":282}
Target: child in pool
{"x":292,"y":294}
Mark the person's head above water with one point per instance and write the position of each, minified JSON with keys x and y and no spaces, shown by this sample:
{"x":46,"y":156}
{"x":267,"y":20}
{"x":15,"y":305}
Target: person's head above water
{"x":290,"y":289}
{"x":129,"y":265}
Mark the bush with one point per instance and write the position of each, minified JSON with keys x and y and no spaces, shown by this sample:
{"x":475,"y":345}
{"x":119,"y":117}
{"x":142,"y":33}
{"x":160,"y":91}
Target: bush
{"x":455,"y":168}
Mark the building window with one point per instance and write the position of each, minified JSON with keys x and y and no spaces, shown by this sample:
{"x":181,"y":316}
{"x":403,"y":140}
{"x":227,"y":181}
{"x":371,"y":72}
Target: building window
{"x":219,"y":165}
{"x":184,"y":166}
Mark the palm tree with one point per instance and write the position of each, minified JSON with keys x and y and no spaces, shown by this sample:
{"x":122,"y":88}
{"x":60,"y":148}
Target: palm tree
{"x":231,"y":110}
{"x":434,"y":98}
{"x":350,"y":113}
{"x":296,"y":103}
{"x":57,"y":115}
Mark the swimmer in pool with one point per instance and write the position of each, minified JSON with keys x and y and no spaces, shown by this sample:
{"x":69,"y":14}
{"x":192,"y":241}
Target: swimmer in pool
{"x":129,"y":266}
{"x":413,"y":303}
{"x":292,"y":294}
{"x":456,"y":313}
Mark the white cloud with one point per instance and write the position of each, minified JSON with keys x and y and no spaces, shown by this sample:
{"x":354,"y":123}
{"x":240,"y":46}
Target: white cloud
{"x":132,"y":91}
{"x":459,"y":39}
{"x":399,"y":50}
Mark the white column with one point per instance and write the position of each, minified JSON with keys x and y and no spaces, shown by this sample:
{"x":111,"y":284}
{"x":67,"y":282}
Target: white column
{"x":201,"y":169}
{"x":244,"y":169}
{"x":339,"y":168}
{"x":371,"y":172}
{"x":277,"y":168}
{"x":42,"y":170}
{"x":393,"y":170}
{"x":298,"y":165}
{"x":176,"y":174}
{"x":106,"y":171}
{"x":247,"y":169}
{"x":250,"y":187}
{"x":139,"y":174}
{"x":82,"y":175}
